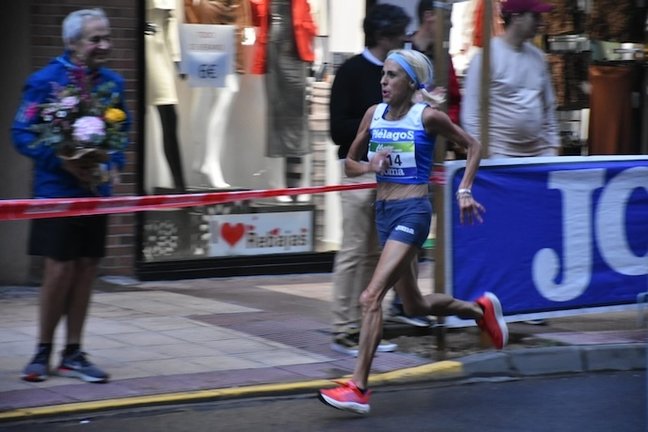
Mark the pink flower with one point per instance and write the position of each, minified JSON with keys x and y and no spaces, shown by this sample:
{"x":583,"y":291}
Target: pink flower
{"x":32,"y":110}
{"x":88,"y":127}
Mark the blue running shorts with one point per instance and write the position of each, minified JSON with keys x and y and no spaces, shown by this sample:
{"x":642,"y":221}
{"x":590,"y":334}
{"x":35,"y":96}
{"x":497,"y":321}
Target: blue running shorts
{"x":407,"y":220}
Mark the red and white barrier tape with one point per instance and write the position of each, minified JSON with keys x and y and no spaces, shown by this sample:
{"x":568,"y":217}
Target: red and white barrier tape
{"x":60,"y":207}
{"x":20,"y":209}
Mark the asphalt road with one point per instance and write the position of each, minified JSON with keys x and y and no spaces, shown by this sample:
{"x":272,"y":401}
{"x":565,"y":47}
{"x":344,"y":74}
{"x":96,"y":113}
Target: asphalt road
{"x":614,"y":401}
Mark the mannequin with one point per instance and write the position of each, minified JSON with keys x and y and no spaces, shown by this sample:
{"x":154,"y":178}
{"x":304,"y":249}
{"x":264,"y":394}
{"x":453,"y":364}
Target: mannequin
{"x":162,"y":51}
{"x":284,"y":53}
{"x":211,"y":107}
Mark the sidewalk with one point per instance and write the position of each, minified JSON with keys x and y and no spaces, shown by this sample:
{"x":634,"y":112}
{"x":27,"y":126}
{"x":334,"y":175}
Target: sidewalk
{"x":189,"y":340}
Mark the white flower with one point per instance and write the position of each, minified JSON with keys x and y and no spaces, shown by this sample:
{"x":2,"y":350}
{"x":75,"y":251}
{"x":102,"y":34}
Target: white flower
{"x":88,"y":127}
{"x":69,"y":102}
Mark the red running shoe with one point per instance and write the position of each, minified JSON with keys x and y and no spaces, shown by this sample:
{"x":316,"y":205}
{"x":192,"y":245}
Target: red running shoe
{"x":347,"y":396}
{"x":493,"y":321}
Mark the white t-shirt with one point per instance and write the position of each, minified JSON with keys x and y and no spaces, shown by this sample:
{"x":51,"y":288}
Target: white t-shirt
{"x":522,"y":101}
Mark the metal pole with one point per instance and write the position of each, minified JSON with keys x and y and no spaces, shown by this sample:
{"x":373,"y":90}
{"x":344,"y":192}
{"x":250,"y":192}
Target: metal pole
{"x":441,"y":79}
{"x":484,"y":97}
{"x":644,"y":122}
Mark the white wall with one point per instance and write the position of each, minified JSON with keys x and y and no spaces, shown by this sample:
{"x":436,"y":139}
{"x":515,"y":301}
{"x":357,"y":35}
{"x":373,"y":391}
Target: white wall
{"x":345,"y":26}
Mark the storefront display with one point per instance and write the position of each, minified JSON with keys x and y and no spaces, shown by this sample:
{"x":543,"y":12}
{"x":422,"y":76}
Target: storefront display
{"x":616,"y":76}
{"x":597,"y":62}
{"x":252,"y":133}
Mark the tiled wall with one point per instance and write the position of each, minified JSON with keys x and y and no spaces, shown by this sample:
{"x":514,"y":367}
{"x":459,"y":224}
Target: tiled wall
{"x":46,"y":17}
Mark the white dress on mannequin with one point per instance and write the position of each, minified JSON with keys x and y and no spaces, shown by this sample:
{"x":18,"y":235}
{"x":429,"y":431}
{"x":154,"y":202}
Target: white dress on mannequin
{"x":213,"y":107}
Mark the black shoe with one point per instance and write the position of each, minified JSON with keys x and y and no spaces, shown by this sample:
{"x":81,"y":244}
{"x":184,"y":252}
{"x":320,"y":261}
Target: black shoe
{"x":397,"y":314}
{"x":347,"y":343}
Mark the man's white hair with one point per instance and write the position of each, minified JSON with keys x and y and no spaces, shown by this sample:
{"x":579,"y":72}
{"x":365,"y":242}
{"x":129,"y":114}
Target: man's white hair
{"x":74,"y":23}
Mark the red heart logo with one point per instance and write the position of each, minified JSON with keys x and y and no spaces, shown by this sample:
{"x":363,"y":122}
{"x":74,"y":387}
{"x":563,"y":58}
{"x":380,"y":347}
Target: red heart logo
{"x":232,"y":233}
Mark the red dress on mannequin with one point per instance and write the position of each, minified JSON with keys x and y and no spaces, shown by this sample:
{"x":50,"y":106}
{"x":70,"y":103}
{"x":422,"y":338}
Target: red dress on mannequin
{"x":304,"y":29}
{"x":233,"y":12}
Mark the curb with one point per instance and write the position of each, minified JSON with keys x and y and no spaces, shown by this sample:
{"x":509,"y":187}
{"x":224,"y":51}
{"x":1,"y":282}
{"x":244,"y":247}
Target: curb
{"x":516,"y":363}
{"x":430,"y":371}
{"x":557,"y":360}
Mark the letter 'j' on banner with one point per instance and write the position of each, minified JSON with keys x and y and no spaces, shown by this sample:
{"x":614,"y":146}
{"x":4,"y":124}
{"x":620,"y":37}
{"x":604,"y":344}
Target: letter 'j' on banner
{"x":207,"y":53}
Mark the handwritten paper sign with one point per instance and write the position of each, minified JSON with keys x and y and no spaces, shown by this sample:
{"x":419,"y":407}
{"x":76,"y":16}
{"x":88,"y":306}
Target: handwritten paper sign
{"x":207,"y":53}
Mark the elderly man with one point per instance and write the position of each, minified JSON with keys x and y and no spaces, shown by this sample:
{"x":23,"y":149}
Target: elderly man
{"x":72,"y":246}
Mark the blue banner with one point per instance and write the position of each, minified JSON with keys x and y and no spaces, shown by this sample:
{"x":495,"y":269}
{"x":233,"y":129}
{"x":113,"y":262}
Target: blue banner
{"x":559,"y":234}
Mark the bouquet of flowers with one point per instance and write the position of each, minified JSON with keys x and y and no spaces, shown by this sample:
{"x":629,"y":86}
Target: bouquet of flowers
{"x":79,"y":122}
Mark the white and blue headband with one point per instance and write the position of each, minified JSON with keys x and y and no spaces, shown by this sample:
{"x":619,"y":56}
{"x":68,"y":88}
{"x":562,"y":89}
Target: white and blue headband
{"x":408,"y":69}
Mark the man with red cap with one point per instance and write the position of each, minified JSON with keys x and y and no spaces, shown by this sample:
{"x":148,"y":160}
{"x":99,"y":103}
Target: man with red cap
{"x":522,"y":102}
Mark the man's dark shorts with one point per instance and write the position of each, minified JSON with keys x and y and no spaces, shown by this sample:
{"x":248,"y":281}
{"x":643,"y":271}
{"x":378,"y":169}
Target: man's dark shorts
{"x":68,"y":238}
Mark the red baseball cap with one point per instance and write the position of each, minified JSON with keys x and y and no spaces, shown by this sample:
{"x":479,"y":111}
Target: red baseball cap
{"x":521,"y":6}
